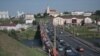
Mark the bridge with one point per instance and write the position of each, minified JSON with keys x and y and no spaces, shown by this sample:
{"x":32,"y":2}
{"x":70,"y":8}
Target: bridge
{"x":47,"y":44}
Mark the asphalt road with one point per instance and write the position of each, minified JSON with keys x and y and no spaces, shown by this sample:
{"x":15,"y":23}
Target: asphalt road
{"x":70,"y":39}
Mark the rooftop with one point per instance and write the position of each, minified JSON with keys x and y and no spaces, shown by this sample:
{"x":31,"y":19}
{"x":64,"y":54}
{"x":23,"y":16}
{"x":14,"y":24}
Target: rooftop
{"x":7,"y":24}
{"x":73,"y":16}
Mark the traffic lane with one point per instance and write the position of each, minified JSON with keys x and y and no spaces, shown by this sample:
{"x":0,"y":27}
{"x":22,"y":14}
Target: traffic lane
{"x":60,"y":53}
{"x":85,"y":46}
{"x":67,"y":44}
{"x":59,"y":32}
{"x":74,"y":44}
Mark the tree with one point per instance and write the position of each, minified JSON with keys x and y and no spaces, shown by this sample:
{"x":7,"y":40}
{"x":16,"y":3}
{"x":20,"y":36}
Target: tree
{"x":45,"y":14}
{"x":82,"y":23}
{"x":13,"y":34}
{"x":65,"y":12}
{"x":97,"y":12}
{"x":37,"y":15}
{"x":34,"y":22}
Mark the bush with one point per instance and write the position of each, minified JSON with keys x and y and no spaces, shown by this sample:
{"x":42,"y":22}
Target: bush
{"x":13,"y":34}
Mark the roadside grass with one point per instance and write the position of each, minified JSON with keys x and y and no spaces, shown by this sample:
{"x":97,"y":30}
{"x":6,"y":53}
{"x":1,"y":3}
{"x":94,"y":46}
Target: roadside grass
{"x":84,"y":32}
{"x":11,"y":47}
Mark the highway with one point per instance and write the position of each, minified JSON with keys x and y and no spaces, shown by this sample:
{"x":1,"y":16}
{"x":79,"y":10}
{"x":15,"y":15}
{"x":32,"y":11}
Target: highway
{"x":71,"y":40}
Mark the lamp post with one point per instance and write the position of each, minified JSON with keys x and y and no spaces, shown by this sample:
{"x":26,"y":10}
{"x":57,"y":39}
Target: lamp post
{"x":54,"y":42}
{"x":54,"y":36}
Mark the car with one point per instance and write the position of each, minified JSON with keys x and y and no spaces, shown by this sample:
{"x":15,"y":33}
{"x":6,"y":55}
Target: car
{"x":68,"y":48}
{"x":61,"y":40}
{"x":61,"y":32}
{"x":63,"y":43}
{"x":69,"y":52}
{"x":60,"y":48}
{"x":80,"y":49}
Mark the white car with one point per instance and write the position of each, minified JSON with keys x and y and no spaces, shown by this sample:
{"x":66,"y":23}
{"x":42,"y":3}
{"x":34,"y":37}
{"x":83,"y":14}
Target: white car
{"x":60,"y":48}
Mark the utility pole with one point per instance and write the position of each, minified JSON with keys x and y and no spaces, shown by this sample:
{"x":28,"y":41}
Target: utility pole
{"x":54,"y":36}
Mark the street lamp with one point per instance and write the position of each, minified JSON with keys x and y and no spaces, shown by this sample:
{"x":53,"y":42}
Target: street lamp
{"x":54,"y":34}
{"x":55,"y":53}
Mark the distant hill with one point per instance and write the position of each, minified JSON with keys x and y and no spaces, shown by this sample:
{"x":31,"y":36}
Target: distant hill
{"x":11,"y":47}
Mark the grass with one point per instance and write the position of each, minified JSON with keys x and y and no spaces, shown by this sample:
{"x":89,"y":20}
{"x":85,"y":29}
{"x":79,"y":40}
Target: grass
{"x":83,"y":31}
{"x":11,"y":47}
{"x":27,"y":34}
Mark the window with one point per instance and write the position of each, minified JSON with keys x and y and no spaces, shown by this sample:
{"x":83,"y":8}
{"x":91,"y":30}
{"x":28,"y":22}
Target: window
{"x":74,"y":21}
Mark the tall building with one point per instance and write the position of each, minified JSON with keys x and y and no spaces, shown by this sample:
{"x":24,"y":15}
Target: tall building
{"x":4,"y":15}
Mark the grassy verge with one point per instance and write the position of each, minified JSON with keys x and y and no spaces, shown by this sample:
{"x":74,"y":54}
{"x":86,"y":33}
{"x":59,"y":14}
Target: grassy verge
{"x":11,"y":47}
{"x":83,"y":31}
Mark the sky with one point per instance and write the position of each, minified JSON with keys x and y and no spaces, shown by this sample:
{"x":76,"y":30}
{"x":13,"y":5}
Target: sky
{"x":36,"y":6}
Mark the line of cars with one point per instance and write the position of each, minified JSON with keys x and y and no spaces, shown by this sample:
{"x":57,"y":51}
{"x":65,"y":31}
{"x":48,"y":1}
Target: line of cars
{"x":67,"y":49}
{"x":63,"y":46}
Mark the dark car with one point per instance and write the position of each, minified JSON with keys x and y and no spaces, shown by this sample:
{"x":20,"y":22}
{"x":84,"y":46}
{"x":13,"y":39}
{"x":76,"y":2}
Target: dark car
{"x":80,"y":49}
{"x":69,"y":52}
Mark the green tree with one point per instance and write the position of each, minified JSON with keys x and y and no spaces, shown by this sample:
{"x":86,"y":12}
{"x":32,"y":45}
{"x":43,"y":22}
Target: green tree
{"x":82,"y":23}
{"x":97,"y":12}
{"x":45,"y":14}
{"x":37,"y":15}
{"x":66,"y":12}
{"x":13,"y":34}
{"x":34,"y":22}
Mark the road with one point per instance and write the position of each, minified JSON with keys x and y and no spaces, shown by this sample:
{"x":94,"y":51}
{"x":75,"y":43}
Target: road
{"x":71,"y":40}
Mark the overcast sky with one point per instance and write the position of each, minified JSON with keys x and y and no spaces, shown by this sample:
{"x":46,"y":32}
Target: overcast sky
{"x":35,"y":6}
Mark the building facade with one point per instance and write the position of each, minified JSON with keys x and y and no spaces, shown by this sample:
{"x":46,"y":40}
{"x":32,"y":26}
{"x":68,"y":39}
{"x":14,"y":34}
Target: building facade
{"x":13,"y":26}
{"x":72,"y":20}
{"x":29,"y":18}
{"x":81,"y":13}
{"x":77,"y":13}
{"x":52,"y":12}
{"x":4,"y":15}
{"x":58,"y":21}
{"x":87,"y":14}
